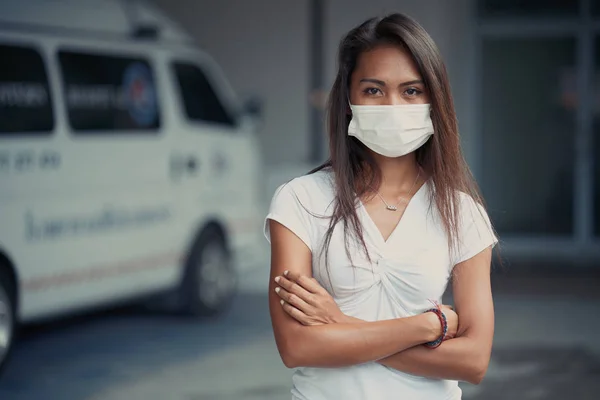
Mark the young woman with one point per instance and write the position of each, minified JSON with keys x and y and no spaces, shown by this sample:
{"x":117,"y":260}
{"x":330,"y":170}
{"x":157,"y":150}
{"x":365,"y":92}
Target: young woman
{"x":363,"y":247}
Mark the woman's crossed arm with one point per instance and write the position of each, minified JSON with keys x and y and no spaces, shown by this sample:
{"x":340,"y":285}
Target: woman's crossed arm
{"x":467,"y":356}
{"x":464,"y":358}
{"x":340,"y":344}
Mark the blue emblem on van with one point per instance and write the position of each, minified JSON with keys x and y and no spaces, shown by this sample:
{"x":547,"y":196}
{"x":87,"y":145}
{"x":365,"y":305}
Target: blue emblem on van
{"x":139,"y":94}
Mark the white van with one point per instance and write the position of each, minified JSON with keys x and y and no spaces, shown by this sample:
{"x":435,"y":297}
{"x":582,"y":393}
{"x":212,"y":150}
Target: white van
{"x":127,"y":165}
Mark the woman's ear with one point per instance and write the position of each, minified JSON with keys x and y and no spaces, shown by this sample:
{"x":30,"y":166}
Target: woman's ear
{"x":348,"y":103}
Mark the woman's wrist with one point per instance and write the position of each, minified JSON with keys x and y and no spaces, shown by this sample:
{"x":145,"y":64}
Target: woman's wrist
{"x":346,"y":319}
{"x":433,"y":327}
{"x":443,"y":324}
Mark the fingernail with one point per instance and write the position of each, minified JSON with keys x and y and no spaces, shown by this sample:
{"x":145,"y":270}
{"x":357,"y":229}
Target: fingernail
{"x":277,"y":278}
{"x":285,"y":273}
{"x":281,"y":302}
{"x":277,"y":290}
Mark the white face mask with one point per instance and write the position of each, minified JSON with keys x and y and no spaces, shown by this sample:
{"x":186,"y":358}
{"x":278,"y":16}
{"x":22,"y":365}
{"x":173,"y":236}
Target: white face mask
{"x":391,"y":131}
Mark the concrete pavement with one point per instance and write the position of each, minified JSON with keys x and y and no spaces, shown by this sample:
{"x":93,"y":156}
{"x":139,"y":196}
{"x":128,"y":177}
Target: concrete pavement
{"x":544,"y":348}
{"x":541,"y":352}
{"x":250,"y":371}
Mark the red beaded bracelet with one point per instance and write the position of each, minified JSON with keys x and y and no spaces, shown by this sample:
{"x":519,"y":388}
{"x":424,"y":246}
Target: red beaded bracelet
{"x":444,"y":323}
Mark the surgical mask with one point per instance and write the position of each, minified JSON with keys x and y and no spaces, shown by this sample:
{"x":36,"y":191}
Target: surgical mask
{"x":392,"y":131}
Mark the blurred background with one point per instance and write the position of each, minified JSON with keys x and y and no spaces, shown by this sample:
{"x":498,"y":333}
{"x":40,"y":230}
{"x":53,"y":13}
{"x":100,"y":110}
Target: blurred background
{"x":141,"y":142}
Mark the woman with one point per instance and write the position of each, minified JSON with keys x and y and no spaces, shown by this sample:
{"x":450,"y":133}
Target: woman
{"x":363,"y":247}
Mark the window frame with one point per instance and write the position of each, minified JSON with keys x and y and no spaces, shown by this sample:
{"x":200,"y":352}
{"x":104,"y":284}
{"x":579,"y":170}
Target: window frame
{"x":145,"y":57}
{"x":585,"y":28}
{"x":215,"y":85}
{"x":41,"y":52}
{"x":507,"y":14}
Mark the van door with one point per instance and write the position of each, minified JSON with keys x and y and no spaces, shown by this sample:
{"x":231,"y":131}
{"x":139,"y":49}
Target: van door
{"x":211,"y":130}
{"x":102,"y":231}
{"x":30,"y":160}
{"x":119,"y":157}
{"x":206,"y":127}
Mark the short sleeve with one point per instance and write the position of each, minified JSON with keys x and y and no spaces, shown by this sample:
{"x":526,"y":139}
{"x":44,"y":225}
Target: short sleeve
{"x":290,"y":210}
{"x":475,"y":232}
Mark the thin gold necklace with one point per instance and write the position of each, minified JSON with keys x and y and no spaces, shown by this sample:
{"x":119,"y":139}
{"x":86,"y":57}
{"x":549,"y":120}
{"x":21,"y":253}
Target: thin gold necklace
{"x":391,"y":207}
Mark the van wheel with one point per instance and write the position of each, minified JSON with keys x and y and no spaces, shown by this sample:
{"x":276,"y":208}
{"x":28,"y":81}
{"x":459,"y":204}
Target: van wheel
{"x":210,"y":280}
{"x":7,"y":317}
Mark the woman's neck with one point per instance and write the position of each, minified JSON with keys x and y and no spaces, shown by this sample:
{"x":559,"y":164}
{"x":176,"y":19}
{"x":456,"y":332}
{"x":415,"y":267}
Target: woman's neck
{"x":397,"y":174}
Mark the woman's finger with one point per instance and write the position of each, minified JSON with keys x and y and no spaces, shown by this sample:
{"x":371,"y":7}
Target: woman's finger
{"x":293,"y":299}
{"x":312,"y":285}
{"x":295,"y":313}
{"x":294,"y":288}
{"x":309,"y":284}
{"x":293,"y":277}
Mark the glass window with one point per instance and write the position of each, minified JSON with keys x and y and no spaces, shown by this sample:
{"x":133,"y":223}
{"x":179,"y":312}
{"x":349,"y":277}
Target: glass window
{"x":199,"y":98}
{"x":109,"y":93}
{"x":528,"y":121}
{"x":25,"y":100}
{"x":528,"y":8}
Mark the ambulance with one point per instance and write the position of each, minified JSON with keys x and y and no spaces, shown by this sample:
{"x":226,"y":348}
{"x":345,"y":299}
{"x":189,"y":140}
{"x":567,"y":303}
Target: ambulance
{"x":128,"y":165}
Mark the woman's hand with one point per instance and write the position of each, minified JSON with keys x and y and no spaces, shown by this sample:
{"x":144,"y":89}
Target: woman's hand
{"x":307,"y":301}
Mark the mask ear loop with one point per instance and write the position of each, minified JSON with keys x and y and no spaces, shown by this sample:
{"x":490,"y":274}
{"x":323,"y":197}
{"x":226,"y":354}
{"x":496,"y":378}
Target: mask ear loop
{"x":348,"y":105}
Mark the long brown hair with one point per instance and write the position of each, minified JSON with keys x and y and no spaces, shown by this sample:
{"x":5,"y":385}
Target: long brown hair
{"x":440,"y":157}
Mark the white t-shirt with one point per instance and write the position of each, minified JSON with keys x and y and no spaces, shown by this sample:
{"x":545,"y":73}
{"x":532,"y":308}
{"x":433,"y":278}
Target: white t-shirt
{"x":407,"y":271}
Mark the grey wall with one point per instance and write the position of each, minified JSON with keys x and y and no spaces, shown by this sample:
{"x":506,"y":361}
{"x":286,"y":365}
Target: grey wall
{"x":263,"y":46}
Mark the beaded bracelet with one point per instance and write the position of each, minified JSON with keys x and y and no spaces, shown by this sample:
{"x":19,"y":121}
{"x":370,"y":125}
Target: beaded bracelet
{"x":444,"y":323}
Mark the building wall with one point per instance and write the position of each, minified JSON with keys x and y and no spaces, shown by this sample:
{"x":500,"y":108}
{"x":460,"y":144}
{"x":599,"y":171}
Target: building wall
{"x":262,"y":45}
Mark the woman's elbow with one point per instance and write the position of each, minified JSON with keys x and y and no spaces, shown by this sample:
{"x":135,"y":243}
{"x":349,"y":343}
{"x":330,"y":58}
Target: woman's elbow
{"x":477,"y":370}
{"x":291,"y":355}
{"x":290,"y":360}
{"x":300,"y":354}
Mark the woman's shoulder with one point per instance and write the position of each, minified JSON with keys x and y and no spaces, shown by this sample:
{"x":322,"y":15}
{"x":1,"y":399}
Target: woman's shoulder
{"x":473,"y":214}
{"x":470,"y":206}
{"x":315,"y":190}
{"x":469,"y":202}
{"x":313,"y":184}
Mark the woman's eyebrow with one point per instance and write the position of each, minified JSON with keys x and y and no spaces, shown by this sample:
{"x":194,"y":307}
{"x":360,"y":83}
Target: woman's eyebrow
{"x":413,"y":82}
{"x":382,"y":83}
{"x":373,"y":80}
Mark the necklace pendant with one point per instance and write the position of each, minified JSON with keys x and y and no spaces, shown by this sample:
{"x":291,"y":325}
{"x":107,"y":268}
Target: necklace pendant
{"x":391,"y":208}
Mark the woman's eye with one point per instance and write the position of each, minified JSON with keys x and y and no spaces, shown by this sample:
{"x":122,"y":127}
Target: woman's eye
{"x":372,"y":91}
{"x":412,"y":92}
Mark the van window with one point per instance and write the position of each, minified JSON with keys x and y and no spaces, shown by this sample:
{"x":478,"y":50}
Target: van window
{"x":109,"y":93}
{"x":199,"y":98}
{"x":25,"y":100}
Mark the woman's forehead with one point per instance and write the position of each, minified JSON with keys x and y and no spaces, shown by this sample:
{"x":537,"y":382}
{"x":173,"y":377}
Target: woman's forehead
{"x":387,"y":62}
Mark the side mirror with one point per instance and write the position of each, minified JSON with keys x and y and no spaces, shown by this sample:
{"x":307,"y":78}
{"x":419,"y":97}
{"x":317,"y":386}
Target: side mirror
{"x":253,"y":107}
